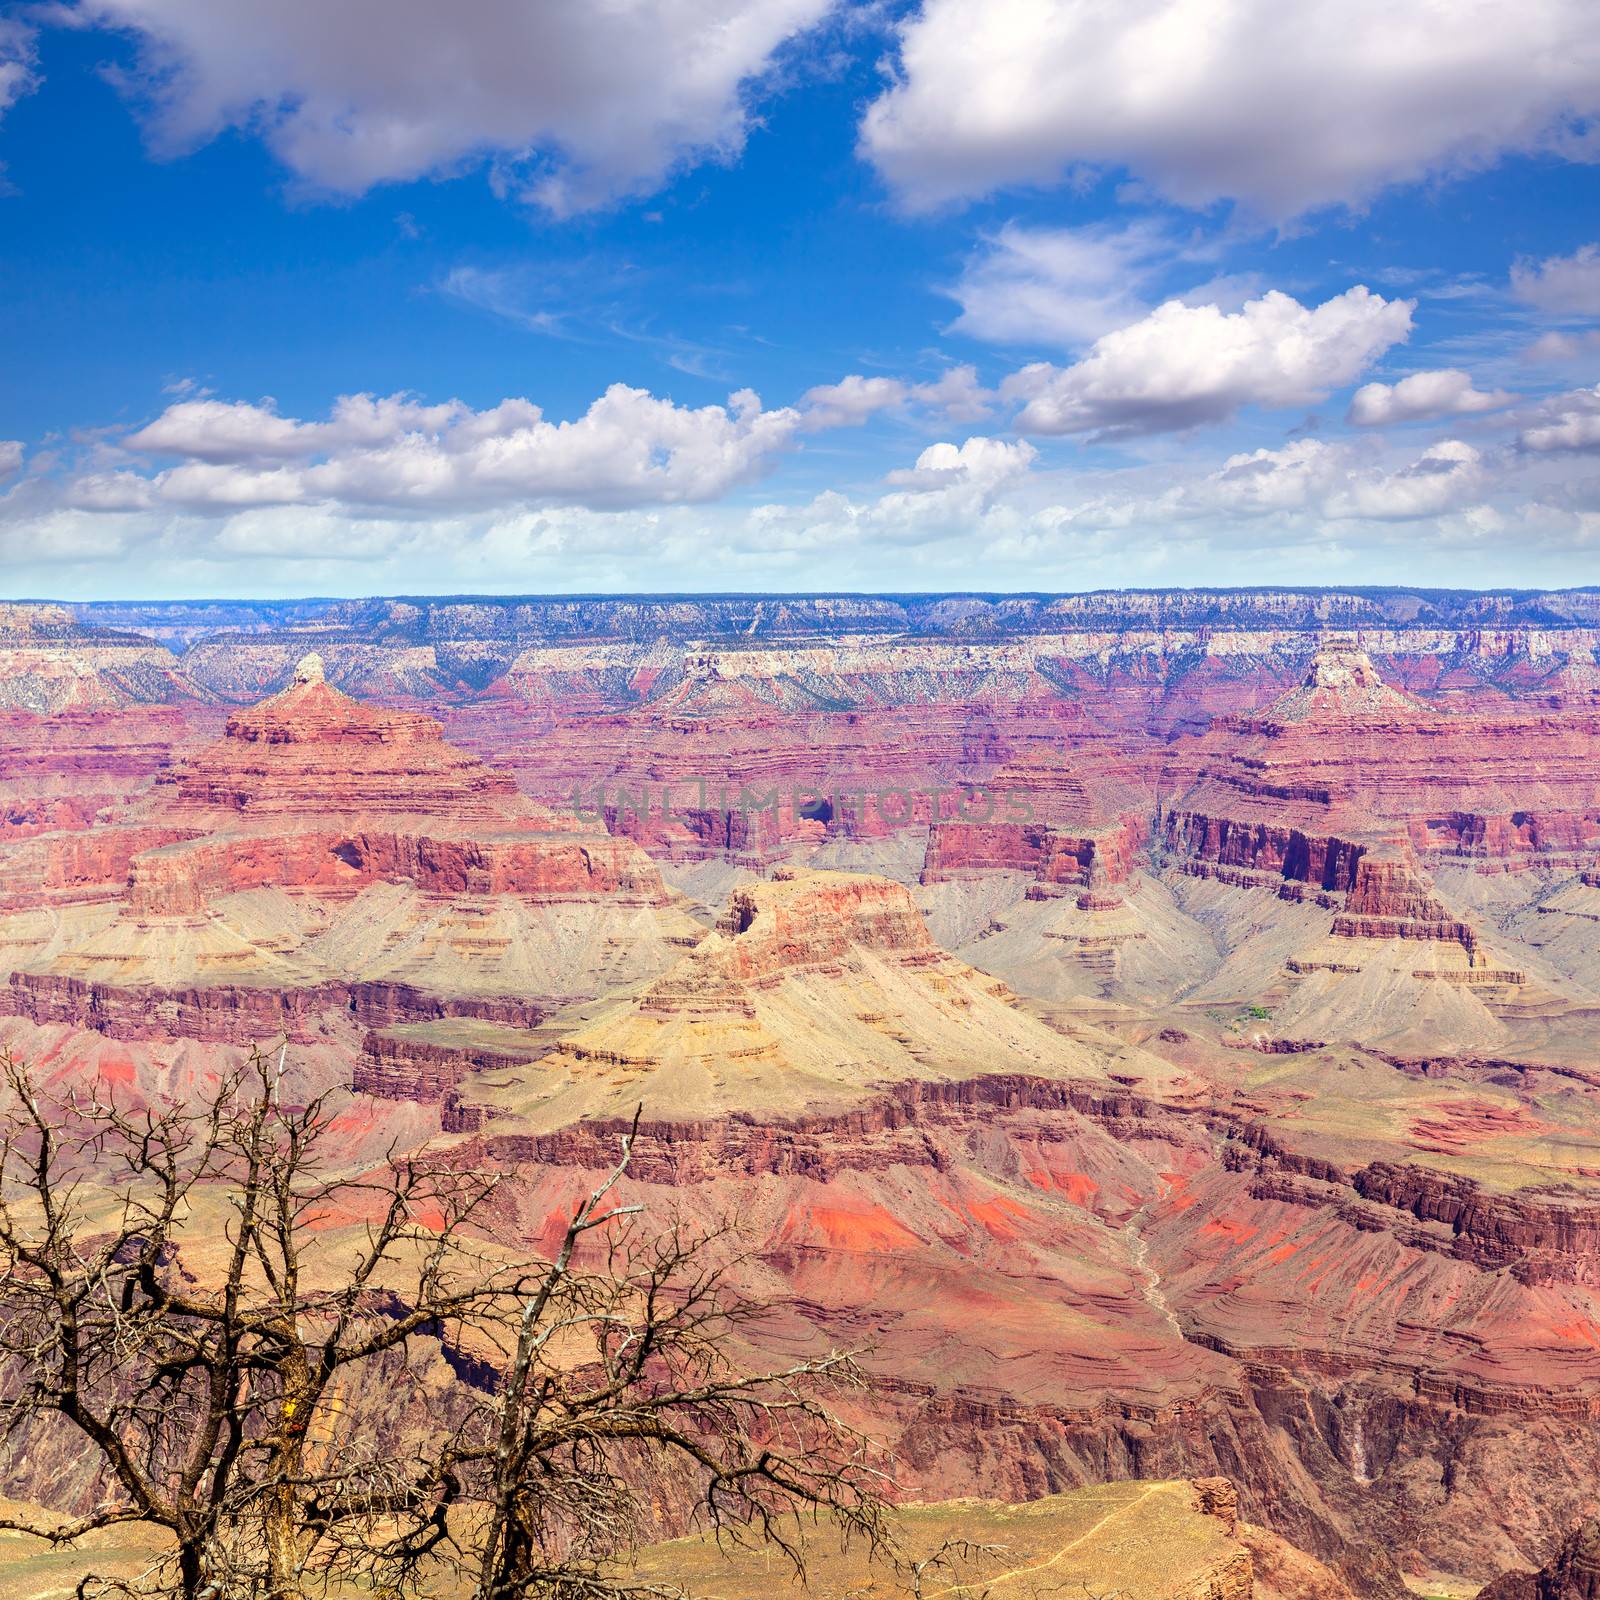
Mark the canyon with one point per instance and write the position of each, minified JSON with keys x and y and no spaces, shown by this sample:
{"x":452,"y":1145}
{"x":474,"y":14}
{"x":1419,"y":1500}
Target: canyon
{"x":1165,"y":1022}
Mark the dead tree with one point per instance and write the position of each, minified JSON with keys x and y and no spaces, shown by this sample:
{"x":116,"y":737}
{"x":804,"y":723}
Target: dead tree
{"x":245,"y":1337}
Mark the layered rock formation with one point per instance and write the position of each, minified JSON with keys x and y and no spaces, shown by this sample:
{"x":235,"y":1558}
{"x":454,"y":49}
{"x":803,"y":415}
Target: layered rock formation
{"x":1345,"y":754}
{"x":323,"y":849}
{"x":814,"y":990}
{"x":51,"y":663}
{"x":1232,"y":1111}
{"x":312,"y":749}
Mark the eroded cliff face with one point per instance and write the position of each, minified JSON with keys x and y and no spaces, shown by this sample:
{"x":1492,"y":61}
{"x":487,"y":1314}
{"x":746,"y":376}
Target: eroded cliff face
{"x":1572,"y":1573}
{"x":322,"y":845}
{"x":1162,"y":1349}
{"x":187,"y":875}
{"x":1248,"y":1129}
{"x":1081,"y":1264}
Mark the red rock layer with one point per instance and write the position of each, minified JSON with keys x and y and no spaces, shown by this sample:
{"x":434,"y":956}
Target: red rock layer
{"x":312,"y":750}
{"x":821,"y":924}
{"x":1346,"y":756}
{"x":185,"y":877}
{"x":1050,"y":856}
{"x":1387,"y":901}
{"x":1267,"y":848}
{"x":79,"y":867}
{"x":750,"y":781}
{"x":1285,"y":1320}
{"x":397,"y":1068}
{"x":238,"y":1015}
{"x":78,"y":769}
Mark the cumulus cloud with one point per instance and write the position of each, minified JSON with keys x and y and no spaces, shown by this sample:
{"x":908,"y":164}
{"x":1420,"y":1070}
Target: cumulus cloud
{"x":110,"y":491}
{"x":1283,"y":107}
{"x":954,"y":396}
{"x":578,"y":103}
{"x":1447,"y":392}
{"x":10,"y":456}
{"x":1357,"y":506}
{"x":953,"y":492}
{"x":851,"y":400}
{"x":1185,"y":365}
{"x":1058,"y":286}
{"x":1566,"y":286}
{"x":1564,"y":422}
{"x":1448,"y":476}
{"x":238,"y":430}
{"x":629,"y":448}
{"x":983,"y":464}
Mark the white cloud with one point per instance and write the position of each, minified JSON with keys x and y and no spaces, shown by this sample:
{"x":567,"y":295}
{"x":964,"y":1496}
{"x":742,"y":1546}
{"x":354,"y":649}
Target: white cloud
{"x":981,"y":512}
{"x":629,"y":448}
{"x":10,"y":456}
{"x":237,"y":430}
{"x":953,"y":492}
{"x":1555,"y":348}
{"x":110,"y":491}
{"x":1185,"y":365}
{"x":1564,"y":422}
{"x":579,"y":102}
{"x":1448,"y":476}
{"x":18,"y":61}
{"x":1562,"y":285}
{"x":1306,"y":485}
{"x":1285,"y":107}
{"x":1263,"y":482}
{"x":1447,"y":392}
{"x":1058,"y":286}
{"x":983,"y":464}
{"x":954,"y":396}
{"x":851,"y":400}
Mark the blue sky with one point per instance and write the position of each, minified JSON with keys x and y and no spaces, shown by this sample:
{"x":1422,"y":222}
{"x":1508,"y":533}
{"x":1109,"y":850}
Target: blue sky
{"x":742,"y":294}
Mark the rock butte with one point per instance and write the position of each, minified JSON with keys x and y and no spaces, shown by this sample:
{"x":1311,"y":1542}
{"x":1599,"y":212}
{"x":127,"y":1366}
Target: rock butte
{"x":318,"y":850}
{"x":312,"y":750}
{"x":1231,"y":1111}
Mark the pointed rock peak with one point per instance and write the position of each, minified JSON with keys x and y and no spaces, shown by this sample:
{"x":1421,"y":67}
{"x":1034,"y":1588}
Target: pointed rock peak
{"x":1342,"y":682}
{"x":1340,"y":663}
{"x":311,"y":709}
{"x":313,"y":751}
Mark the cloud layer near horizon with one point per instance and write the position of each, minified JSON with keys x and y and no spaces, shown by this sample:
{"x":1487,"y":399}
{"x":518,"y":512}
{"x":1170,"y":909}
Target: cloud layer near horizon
{"x":634,"y":491}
